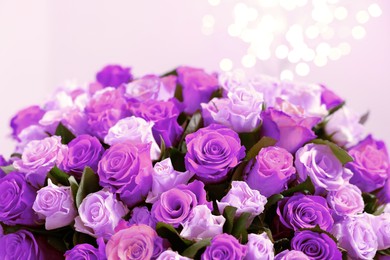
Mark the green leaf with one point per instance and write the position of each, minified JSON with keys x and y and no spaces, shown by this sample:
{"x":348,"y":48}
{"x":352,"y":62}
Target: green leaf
{"x":57,"y":243}
{"x":262,"y":143}
{"x":89,"y":183}
{"x":364,"y":118}
{"x":317,"y":229}
{"x":371,"y":202}
{"x":179,"y":92}
{"x":163,"y":149}
{"x":7,"y":169}
{"x":281,"y":245}
{"x":384,"y":252}
{"x":340,"y":153}
{"x":229,"y":213}
{"x":17,"y":155}
{"x":273,"y":200}
{"x":58,"y":177}
{"x":250,"y":139}
{"x":193,"y":125}
{"x":65,"y":133}
{"x":81,"y":238}
{"x":178,"y":243}
{"x":195,"y":249}
{"x":74,"y":187}
{"x":239,"y":228}
{"x":239,"y":171}
{"x":169,"y":73}
{"x":217,"y":94}
{"x":307,"y":185}
{"x":177,"y":159}
{"x":336,"y":108}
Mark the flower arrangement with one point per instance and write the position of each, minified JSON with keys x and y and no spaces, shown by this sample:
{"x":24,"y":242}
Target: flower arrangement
{"x":191,"y":165}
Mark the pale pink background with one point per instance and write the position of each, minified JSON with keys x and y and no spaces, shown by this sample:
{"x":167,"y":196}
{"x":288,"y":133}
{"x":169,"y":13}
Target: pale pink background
{"x":43,"y":43}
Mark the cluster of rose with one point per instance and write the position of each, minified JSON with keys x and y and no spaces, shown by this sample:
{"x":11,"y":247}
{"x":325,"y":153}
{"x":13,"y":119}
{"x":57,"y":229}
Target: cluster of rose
{"x":191,"y":165}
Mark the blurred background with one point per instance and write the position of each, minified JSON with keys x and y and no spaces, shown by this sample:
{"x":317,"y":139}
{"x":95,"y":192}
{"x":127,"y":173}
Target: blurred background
{"x":342,"y":44}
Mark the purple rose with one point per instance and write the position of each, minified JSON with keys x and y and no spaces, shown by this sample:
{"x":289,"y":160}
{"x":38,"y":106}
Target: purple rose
{"x":136,"y":242}
{"x":25,"y":118}
{"x":198,"y":87}
{"x":316,"y":245}
{"x":271,"y":171}
{"x":224,"y":246}
{"x":3,"y":162}
{"x":212,"y":152}
{"x":84,"y":150}
{"x":99,"y":214}
{"x":370,"y":166}
{"x":55,"y":204}
{"x":164,"y":115}
{"x":168,"y":88}
{"x":16,"y":200}
{"x":347,"y":200}
{"x":114,"y":76}
{"x":244,"y":199}
{"x":175,"y":205}
{"x":356,"y":235}
{"x":259,"y":247}
{"x":123,"y":168}
{"x":325,"y":170}
{"x":39,"y":157}
{"x":33,"y":132}
{"x":305,"y":211}
{"x":141,"y":215}
{"x":381,"y":227}
{"x":290,"y":130}
{"x":19,"y":245}
{"x":144,"y":88}
{"x":329,"y":98}
{"x":87,"y":252}
{"x":384,"y":194}
{"x":291,"y":255}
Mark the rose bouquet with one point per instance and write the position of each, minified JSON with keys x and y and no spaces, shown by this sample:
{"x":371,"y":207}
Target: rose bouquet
{"x":191,"y":165}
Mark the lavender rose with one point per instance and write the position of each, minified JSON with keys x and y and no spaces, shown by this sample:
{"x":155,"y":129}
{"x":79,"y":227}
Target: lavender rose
{"x":142,"y":215}
{"x":84,"y":150}
{"x":55,"y":205}
{"x":16,"y":200}
{"x":305,"y":211}
{"x":370,"y":166}
{"x":271,"y":170}
{"x":19,"y":245}
{"x":224,"y":246}
{"x":87,"y":252}
{"x":329,"y":98}
{"x":171,"y":255}
{"x":39,"y":156}
{"x":291,"y":255}
{"x":316,"y":245}
{"x":212,"y":152}
{"x":197,"y":87}
{"x":143,"y":89}
{"x":25,"y":118}
{"x":325,"y":170}
{"x":136,"y":242}
{"x":99,"y":214}
{"x":347,"y":200}
{"x":356,"y":235}
{"x":244,"y":199}
{"x":114,"y":76}
{"x":381,"y":227}
{"x":259,"y":247}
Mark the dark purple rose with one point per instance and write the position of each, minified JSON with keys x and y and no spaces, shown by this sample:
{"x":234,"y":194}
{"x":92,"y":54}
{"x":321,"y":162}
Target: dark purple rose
{"x":114,"y":76}
{"x":316,"y":245}
{"x":329,"y":98}
{"x":290,"y":130}
{"x":87,"y":252}
{"x":384,"y":193}
{"x":271,"y":171}
{"x":19,"y":245}
{"x":212,"y":152}
{"x":3,"y":162}
{"x":84,"y":150}
{"x":305,"y":211}
{"x":25,"y":118}
{"x":16,"y":200}
{"x":198,"y":87}
{"x":370,"y":166}
{"x":123,"y":168}
{"x":224,"y":247}
{"x":141,"y":215}
{"x":164,"y":115}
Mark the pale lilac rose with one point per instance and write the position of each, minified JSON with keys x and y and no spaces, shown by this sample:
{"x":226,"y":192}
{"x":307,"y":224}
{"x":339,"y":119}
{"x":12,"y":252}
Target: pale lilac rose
{"x":344,"y":127}
{"x":165,"y":177}
{"x":291,"y":255}
{"x":259,"y":247}
{"x":137,"y":242}
{"x":136,"y":131}
{"x":232,"y":79}
{"x":25,"y":118}
{"x":55,"y":205}
{"x":304,"y":211}
{"x":212,"y":152}
{"x":39,"y":157}
{"x":356,"y":235}
{"x":16,"y":200}
{"x":87,"y":252}
{"x":198,"y":86}
{"x":325,"y":170}
{"x":28,"y":134}
{"x":317,"y":246}
{"x":171,"y":255}
{"x":347,"y":200}
{"x":329,"y":98}
{"x":168,"y":88}
{"x":224,"y":246}
{"x":381,"y":227}
{"x":141,"y":215}
{"x":20,"y":245}
{"x":114,"y":75}
{"x":371,"y":164}
{"x":99,"y":214}
{"x":143,"y":89}
{"x":269,"y":86}
{"x":271,"y":171}
{"x":244,"y":199}
{"x":83,"y":151}
{"x":202,"y":224}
